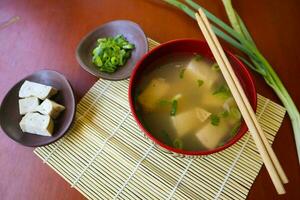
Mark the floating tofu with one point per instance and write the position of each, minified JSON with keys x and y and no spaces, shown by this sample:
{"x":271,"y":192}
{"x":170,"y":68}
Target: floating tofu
{"x":201,"y":70}
{"x":38,"y":124}
{"x":211,"y":102}
{"x":229,"y":103}
{"x":32,"y":89}
{"x":189,"y":120}
{"x":210,"y":136}
{"x":51,"y":108}
{"x":151,"y":95}
{"x":28,"y":105}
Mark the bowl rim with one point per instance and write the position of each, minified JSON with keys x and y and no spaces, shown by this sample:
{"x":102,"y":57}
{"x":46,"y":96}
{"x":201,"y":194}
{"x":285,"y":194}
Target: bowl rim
{"x":70,"y":121}
{"x":87,"y":35}
{"x":242,"y":129}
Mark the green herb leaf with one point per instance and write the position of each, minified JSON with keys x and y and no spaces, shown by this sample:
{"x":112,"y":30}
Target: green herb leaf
{"x":198,"y":57}
{"x":215,"y":67}
{"x":174,"y":108}
{"x":235,"y":113}
{"x":200,"y":82}
{"x":225,"y":114}
{"x":181,"y":73}
{"x":222,"y":92}
{"x":214,"y":120}
{"x":164,"y":102}
{"x":235,"y":129}
{"x":177,"y":143}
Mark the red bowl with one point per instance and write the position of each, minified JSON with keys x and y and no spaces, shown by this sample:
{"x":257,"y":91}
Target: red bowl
{"x":189,"y":46}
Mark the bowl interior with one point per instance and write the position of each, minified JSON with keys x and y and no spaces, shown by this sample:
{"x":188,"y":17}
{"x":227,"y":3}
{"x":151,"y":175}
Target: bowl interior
{"x":9,"y":111}
{"x":130,"y":30}
{"x":189,"y":46}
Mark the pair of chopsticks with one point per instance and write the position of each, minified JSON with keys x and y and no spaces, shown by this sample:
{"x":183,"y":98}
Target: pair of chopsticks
{"x":267,"y":154}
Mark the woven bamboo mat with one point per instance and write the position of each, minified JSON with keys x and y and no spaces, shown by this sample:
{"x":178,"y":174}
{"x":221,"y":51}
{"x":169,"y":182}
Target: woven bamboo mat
{"x":105,"y":155}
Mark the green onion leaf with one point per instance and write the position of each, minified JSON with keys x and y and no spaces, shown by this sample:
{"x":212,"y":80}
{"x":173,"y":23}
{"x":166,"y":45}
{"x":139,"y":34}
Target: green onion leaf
{"x":215,"y":67}
{"x":214,"y":120}
{"x":235,"y":129}
{"x":198,"y":57}
{"x":111,"y":53}
{"x":225,"y":114}
{"x":222,"y":92}
{"x":164,"y":102}
{"x":174,"y":108}
{"x":200,"y":82}
{"x":177,"y":143}
{"x":181,"y":73}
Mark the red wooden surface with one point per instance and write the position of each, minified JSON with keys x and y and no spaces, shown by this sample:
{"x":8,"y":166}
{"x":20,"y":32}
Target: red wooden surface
{"x":46,"y":37}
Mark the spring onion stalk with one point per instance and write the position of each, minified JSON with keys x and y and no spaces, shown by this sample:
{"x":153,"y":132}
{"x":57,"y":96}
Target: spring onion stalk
{"x":238,"y":36}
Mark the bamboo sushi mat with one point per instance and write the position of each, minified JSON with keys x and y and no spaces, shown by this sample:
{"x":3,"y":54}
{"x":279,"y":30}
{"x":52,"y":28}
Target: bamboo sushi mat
{"x":105,"y":155}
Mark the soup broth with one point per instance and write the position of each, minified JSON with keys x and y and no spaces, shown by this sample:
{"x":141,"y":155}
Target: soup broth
{"x":186,"y":104}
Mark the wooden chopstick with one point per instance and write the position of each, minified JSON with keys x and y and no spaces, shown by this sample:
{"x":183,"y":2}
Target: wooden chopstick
{"x":271,"y":153}
{"x":268,"y":156}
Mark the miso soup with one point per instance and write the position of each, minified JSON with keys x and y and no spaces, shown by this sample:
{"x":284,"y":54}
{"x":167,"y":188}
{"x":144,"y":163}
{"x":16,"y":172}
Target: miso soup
{"x":185,"y":103}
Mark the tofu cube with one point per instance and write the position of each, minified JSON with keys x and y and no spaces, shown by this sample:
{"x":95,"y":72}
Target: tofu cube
{"x":212,"y":102}
{"x":155,"y":90}
{"x":51,"y":108}
{"x":32,"y":89}
{"x":210,"y":136}
{"x":28,"y":104}
{"x":38,"y":124}
{"x":189,"y":120}
{"x":201,"y":70}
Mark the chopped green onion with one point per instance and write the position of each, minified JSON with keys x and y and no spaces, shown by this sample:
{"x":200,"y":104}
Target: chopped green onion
{"x":235,"y":113}
{"x":181,"y":73}
{"x":225,"y":114}
{"x":222,"y":92}
{"x":177,"y":143}
{"x":174,"y":108}
{"x":164,"y":102}
{"x":214,"y":120}
{"x":111,"y":53}
{"x":198,"y":57}
{"x":235,"y":129}
{"x":200,"y":82}
{"x":215,"y":67}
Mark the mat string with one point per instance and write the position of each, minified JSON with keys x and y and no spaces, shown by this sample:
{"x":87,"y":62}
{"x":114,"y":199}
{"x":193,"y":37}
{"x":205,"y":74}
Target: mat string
{"x":79,"y":118}
{"x":134,"y":171}
{"x":101,"y":149}
{"x":180,"y":178}
{"x":217,"y":196}
{"x":94,"y":102}
{"x":53,"y":150}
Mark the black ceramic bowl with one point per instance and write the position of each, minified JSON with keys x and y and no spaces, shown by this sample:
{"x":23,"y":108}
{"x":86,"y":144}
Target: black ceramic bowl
{"x":9,"y":110}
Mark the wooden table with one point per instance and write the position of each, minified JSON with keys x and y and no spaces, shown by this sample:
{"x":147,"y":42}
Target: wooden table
{"x":46,"y":37}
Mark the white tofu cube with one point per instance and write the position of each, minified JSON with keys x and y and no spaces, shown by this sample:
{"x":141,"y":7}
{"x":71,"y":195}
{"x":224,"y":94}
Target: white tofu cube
{"x":28,"y":104}
{"x":212,"y":102}
{"x":201,"y":70}
{"x":32,"y":89}
{"x":51,"y":108}
{"x":189,"y":120}
{"x":38,"y":124}
{"x":155,"y":90}
{"x":210,"y":136}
